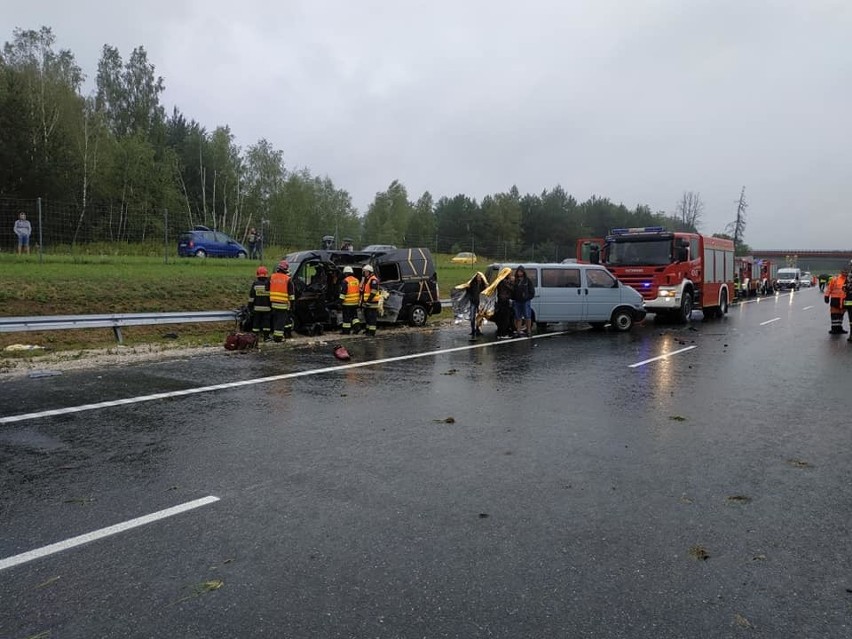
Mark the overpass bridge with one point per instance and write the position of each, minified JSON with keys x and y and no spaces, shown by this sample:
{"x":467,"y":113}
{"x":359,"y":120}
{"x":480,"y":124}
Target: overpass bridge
{"x":815,"y":261}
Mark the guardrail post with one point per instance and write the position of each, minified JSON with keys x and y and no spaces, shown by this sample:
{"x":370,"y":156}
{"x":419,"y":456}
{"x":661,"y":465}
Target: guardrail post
{"x":118,"y":336}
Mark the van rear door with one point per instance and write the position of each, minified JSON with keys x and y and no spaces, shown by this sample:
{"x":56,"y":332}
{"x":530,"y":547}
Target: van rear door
{"x":560,"y":295}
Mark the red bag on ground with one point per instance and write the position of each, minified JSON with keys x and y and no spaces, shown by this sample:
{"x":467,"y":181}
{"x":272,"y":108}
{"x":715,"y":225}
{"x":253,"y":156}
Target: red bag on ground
{"x":240,"y":341}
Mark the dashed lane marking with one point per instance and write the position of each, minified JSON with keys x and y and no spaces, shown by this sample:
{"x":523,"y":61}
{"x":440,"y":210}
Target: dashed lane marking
{"x":260,"y":380}
{"x":659,"y":357}
{"x":807,"y":308}
{"x":73,"y":542}
{"x":774,"y":319}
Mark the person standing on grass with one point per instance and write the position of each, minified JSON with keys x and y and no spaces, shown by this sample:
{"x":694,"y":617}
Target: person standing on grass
{"x":251,"y":238}
{"x":23,"y":229}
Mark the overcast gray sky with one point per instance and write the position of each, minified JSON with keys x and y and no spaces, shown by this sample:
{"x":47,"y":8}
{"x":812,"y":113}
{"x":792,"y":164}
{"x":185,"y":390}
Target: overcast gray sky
{"x":635,"y":100}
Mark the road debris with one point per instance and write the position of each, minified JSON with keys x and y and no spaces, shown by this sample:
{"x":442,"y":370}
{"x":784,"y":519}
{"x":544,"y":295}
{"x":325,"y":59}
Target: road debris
{"x":699,"y":552}
{"x":798,"y":463}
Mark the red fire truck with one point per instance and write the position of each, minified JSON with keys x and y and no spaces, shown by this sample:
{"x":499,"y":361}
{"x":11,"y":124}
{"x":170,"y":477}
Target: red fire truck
{"x":675,"y":272}
{"x":746,"y":276}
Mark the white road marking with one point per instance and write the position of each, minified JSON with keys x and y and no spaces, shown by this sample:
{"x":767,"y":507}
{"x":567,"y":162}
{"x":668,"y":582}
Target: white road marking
{"x":807,"y":308}
{"x":260,"y":380}
{"x":654,"y":359}
{"x":775,"y":319}
{"x":44,"y":551}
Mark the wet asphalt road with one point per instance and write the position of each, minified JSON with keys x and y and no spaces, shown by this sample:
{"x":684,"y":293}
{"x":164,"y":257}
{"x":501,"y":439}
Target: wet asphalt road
{"x":703,"y":495}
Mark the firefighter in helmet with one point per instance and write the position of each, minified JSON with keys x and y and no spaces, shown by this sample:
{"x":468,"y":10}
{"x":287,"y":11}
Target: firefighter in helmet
{"x":281,"y":296}
{"x":370,"y":296}
{"x":259,"y":305}
{"x":350,"y":297}
{"x":835,"y":297}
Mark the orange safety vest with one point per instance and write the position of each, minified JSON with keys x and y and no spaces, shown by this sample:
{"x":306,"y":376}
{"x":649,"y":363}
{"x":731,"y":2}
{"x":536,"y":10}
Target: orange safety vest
{"x":371,"y":291}
{"x":836,"y":288}
{"x":280,"y":291}
{"x":351,"y":293}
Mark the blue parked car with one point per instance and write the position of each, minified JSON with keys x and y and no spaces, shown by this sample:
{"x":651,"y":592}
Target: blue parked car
{"x":202,"y":242}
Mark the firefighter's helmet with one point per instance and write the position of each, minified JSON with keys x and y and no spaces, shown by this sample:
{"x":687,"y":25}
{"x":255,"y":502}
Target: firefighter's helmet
{"x":283,"y":266}
{"x":347,"y":270}
{"x":262,"y":271}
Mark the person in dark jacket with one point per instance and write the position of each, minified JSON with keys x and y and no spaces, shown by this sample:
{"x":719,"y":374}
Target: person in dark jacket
{"x":474,"y":288}
{"x":522,"y":297}
{"x":503,"y":314}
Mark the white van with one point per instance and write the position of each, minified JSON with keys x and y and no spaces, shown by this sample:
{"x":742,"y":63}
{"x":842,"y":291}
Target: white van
{"x":788,"y":279}
{"x":579,"y":293}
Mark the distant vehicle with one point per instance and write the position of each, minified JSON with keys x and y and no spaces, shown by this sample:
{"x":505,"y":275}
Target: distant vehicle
{"x":376,"y":248}
{"x":807,"y":279}
{"x":788,"y":279}
{"x":202,"y":242}
{"x":464,"y":258}
{"x":674,"y":271}
{"x":574,"y":293}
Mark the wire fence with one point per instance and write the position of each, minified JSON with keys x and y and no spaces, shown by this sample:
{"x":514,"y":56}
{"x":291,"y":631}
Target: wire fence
{"x":60,"y":228}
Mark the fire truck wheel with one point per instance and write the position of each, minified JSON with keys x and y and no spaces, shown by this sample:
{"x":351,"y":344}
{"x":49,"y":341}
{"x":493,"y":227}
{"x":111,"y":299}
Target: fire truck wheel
{"x":685,"y":308}
{"x":723,"y":306}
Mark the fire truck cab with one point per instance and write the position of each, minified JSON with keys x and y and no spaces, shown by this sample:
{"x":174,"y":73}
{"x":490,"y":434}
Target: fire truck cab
{"x":675,"y":272}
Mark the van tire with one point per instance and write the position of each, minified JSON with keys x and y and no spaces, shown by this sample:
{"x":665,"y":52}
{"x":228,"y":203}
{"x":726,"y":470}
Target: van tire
{"x":201,"y":253}
{"x":622,"y":320}
{"x":541,"y":327}
{"x":417,"y":316}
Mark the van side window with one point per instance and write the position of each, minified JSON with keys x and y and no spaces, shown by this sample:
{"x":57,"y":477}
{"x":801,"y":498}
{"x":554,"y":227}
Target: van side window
{"x":600,"y":279}
{"x":389,"y":272}
{"x":560,"y":277}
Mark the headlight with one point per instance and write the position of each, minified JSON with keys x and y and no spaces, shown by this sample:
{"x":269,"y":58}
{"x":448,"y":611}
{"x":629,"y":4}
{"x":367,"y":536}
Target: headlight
{"x":664,"y":293}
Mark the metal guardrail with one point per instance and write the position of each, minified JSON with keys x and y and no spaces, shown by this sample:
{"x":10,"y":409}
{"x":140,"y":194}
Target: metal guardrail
{"x":114,"y":321}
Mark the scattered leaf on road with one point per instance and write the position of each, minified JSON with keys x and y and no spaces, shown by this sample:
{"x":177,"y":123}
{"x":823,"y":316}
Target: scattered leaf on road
{"x":447,"y":420}
{"x":46,"y":583}
{"x":699,"y":552}
{"x":677,"y":418}
{"x":452,"y":371}
{"x":737,"y":499}
{"x":798,"y":463}
{"x":742,"y":622}
{"x":80,"y":501}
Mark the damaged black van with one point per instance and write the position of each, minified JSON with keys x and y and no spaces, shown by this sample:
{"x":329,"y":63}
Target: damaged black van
{"x":408,"y":275}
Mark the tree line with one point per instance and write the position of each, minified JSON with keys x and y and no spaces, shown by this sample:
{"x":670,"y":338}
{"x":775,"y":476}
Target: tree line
{"x":120,"y":160}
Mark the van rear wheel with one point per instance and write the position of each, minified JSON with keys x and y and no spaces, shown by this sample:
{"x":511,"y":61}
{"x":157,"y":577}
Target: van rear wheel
{"x":418,"y":316}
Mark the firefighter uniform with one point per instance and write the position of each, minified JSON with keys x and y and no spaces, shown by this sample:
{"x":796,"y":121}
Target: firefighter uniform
{"x":259,"y":305}
{"x":281,"y":296}
{"x":835,"y":297}
{"x":350,"y":297}
{"x":370,"y":296}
